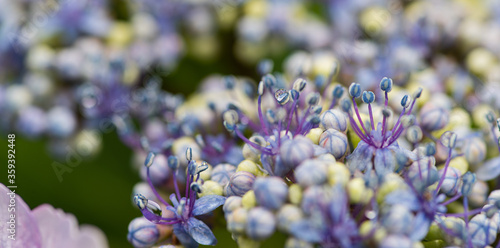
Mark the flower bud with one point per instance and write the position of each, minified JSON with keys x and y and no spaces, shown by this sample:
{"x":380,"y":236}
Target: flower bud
{"x":232,"y":203}
{"x":474,"y":150}
{"x":368,"y":97}
{"x":449,"y":139}
{"x":335,"y":142}
{"x":287,"y":215}
{"x":270,"y":192}
{"x":269,"y":80}
{"x":417,"y":93}
{"x":346,"y":105}
{"x":311,"y":172}
{"x":189,"y":154}
{"x":313,"y":98}
{"x":294,"y":151}
{"x":355,"y":90}
{"x":452,"y":181}
{"x":338,"y":91}
{"x":405,"y":101}
{"x":261,"y":224}
{"x":239,"y":183}
{"x":260,"y":88}
{"x":333,"y":119}
{"x":468,"y":181}
{"x":237,"y":220}
{"x":433,"y":117}
{"x":386,"y":84}
{"x":173,"y":162}
{"x":299,"y":84}
{"x":222,"y":172}
{"x":196,"y":187}
{"x":414,"y":134}
{"x":142,"y":233}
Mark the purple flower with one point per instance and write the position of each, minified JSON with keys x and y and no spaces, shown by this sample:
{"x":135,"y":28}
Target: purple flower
{"x":44,"y":227}
{"x":378,"y":143}
{"x":189,"y":230}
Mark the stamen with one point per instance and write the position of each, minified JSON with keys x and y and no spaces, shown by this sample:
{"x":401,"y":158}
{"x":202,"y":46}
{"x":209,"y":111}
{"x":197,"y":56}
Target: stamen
{"x":448,"y":139}
{"x":368,"y":98}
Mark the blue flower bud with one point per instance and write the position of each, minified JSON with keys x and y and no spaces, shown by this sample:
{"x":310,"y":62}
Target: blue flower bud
{"x":490,"y":210}
{"x":333,"y":119}
{"x":317,"y":109}
{"x":494,"y":198}
{"x":294,"y":151}
{"x":490,"y":117}
{"x":386,"y":84}
{"x":287,"y":215}
{"x":405,"y":101}
{"x":196,"y":187}
{"x":270,"y":192}
{"x":295,"y":94}
{"x":398,"y":219}
{"x":335,"y":142}
{"x":189,"y":154}
{"x":203,"y":166}
{"x":142,"y":233}
{"x":313,"y":98}
{"x":299,"y":84}
{"x":230,"y":82}
{"x":414,"y":134}
{"x":474,"y":150}
{"x":481,"y":227}
{"x":368,"y":97}
{"x":433,"y":117}
{"x":269,"y":80}
{"x":430,"y":149}
{"x":319,"y":81}
{"x":232,"y":203}
{"x":314,"y":119}
{"x":338,"y":91}
{"x":173,"y":162}
{"x":237,"y":220}
{"x":231,"y":106}
{"x":282,"y":96}
{"x":429,"y":177}
{"x":407,"y":120}
{"x":239,"y":183}
{"x":261,"y":223}
{"x":449,"y":139}
{"x":260,"y":88}
{"x":265,"y":66}
{"x":149,"y":159}
{"x":355,"y":90}
{"x":192,"y":167}
{"x":468,"y":181}
{"x":311,"y":172}
{"x":222,"y":172}
{"x":417,"y":93}
{"x":451,"y":182}
{"x":346,"y":105}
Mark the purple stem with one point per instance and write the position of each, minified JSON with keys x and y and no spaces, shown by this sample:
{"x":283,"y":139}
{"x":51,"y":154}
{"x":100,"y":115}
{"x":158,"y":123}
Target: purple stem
{"x":371,"y":116}
{"x":154,"y":190}
{"x":466,"y":218}
{"x":260,"y":148}
{"x":454,"y":198}
{"x":290,"y":116}
{"x":357,"y":130}
{"x":261,"y":117}
{"x":384,"y":118}
{"x":334,"y":100}
{"x":177,"y":192}
{"x":302,"y":121}
{"x":444,"y":172}
{"x":169,"y":223}
{"x":359,"y":118}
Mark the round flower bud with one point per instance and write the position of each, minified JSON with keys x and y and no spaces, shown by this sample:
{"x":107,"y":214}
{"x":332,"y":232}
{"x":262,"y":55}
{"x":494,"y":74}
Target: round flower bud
{"x":295,"y":194}
{"x":357,"y":190}
{"x":294,"y":151}
{"x":142,"y":233}
{"x":173,"y":162}
{"x":479,"y":193}
{"x":231,"y":203}
{"x":159,"y":172}
{"x":270,"y":192}
{"x":287,"y":215}
{"x":474,"y":150}
{"x":368,"y":97}
{"x":396,"y":241}
{"x":32,"y":121}
{"x":222,"y":172}
{"x":239,"y":183}
{"x":61,"y":121}
{"x":428,"y":178}
{"x":433,"y":117}
{"x":237,"y":220}
{"x":414,"y":134}
{"x":250,"y":152}
{"x":312,"y":98}
{"x":468,"y":181}
{"x":481,"y":227}
{"x":333,"y":119}
{"x":355,"y":90}
{"x":449,"y":139}
{"x":312,"y":197}
{"x":180,"y":149}
{"x":249,"y":166}
{"x":248,"y":200}
{"x":386,"y":84}
{"x":335,"y":142}
{"x":451,"y":182}
{"x":210,"y":187}
{"x":261,"y":223}
{"x":311,"y":172}
{"x":314,"y":135}
{"x":269,"y":80}
{"x":338,"y":91}
{"x":398,"y":219}
{"x":338,"y":174}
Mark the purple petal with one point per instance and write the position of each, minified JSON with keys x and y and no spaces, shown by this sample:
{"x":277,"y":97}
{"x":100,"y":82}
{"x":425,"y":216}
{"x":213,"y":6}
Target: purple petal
{"x":184,"y":237}
{"x":403,"y":197}
{"x":200,"y":232}
{"x":305,"y":231}
{"x":27,"y":232}
{"x":420,"y":227}
{"x":489,"y":170}
{"x":384,"y":161}
{"x":174,"y":201}
{"x":207,"y":204}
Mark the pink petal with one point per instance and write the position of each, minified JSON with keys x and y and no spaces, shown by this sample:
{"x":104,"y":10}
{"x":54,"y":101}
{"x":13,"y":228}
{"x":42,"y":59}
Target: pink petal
{"x":27,"y":233}
{"x":91,"y":236}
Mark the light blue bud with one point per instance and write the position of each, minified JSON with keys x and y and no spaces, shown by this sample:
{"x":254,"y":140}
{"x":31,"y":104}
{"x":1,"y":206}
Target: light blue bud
{"x":449,"y":139}
{"x":338,"y":91}
{"x":142,"y":233}
{"x":261,"y":223}
{"x":230,"y":82}
{"x":490,"y":117}
{"x":335,"y":142}
{"x":430,"y":149}
{"x":265,"y":66}
{"x":414,"y":134}
{"x":334,"y":118}
{"x":386,"y":84}
{"x":269,"y":80}
{"x":468,"y":181}
{"x":417,"y":93}
{"x":316,"y":109}
{"x":222,"y":172}
{"x":239,"y":183}
{"x":368,"y":97}
{"x":270,"y":192}
{"x":355,"y":90}
{"x":196,"y":187}
{"x":149,"y":159}
{"x":192,"y":167}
